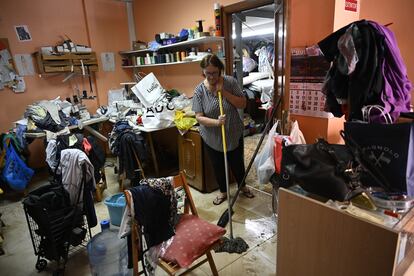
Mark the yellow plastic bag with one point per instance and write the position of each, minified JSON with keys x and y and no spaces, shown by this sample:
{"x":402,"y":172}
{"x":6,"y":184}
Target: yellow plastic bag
{"x":182,"y":122}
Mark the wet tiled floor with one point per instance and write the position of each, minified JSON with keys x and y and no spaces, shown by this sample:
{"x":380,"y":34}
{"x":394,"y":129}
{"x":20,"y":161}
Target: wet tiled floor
{"x":253,"y":221}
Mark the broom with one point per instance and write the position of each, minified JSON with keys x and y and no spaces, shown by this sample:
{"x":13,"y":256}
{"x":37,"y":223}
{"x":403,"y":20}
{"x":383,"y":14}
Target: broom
{"x":231,"y":244}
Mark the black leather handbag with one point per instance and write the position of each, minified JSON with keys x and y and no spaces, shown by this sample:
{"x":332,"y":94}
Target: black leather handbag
{"x":321,"y":168}
{"x":329,"y":170}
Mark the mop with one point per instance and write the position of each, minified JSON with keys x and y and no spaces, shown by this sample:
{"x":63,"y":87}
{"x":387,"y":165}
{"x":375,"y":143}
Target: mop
{"x":230,"y":245}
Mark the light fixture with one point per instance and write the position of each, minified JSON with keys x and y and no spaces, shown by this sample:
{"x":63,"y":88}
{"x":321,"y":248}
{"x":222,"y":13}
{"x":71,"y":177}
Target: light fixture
{"x":265,"y":31}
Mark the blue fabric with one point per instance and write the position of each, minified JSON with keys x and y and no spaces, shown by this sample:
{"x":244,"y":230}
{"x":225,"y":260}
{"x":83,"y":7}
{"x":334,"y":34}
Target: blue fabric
{"x":16,"y":173}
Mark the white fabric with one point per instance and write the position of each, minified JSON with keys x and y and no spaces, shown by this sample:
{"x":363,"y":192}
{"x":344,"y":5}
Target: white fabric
{"x":70,"y":167}
{"x":254,"y":76}
{"x":53,"y":110}
{"x":265,"y":87}
{"x":51,"y":154}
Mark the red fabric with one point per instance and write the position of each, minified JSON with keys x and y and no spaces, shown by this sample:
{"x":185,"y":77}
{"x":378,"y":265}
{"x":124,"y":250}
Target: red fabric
{"x":278,"y":153}
{"x":277,"y":150}
{"x":192,"y":237}
{"x":86,"y":146}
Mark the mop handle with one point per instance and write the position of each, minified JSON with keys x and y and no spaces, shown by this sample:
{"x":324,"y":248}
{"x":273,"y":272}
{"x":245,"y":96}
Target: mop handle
{"x":223,"y":133}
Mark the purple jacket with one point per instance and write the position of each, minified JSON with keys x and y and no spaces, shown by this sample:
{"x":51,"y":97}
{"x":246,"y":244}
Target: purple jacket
{"x":395,"y":96}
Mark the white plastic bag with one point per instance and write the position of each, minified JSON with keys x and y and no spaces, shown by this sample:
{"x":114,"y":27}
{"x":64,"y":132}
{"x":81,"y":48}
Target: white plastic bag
{"x":264,"y":161}
{"x":148,"y":90}
{"x":160,"y":115}
{"x":296,"y":135}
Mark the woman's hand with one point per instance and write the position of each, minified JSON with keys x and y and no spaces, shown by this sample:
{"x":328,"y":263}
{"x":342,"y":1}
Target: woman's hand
{"x":221,"y":120}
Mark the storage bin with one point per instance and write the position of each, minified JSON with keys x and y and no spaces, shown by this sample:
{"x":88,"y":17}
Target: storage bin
{"x":116,"y":206}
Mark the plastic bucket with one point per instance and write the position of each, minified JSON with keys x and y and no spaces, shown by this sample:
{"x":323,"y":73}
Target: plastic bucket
{"x":116,"y":206}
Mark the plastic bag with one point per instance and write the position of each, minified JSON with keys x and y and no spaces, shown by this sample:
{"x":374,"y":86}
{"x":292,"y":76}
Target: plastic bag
{"x":160,"y":115}
{"x":296,"y":136}
{"x":264,"y":161}
{"x":16,"y":173}
{"x":182,"y":122}
{"x":148,"y":90}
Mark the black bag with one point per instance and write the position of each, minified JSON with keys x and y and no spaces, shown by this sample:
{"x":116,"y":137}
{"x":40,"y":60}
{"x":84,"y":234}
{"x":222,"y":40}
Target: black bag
{"x":390,"y":148}
{"x":320,"y":169}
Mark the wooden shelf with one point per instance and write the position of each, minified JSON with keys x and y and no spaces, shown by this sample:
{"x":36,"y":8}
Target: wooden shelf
{"x":66,"y":62}
{"x":201,"y":40}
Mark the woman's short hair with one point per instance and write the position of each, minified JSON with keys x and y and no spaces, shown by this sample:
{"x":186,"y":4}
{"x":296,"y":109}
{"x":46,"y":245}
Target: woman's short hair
{"x":211,"y":59}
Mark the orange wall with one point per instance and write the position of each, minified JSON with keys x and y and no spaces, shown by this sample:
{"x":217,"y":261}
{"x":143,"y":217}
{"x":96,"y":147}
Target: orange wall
{"x":310,"y":22}
{"x":158,"y":16}
{"x":47,"y":20}
{"x":400,"y":13}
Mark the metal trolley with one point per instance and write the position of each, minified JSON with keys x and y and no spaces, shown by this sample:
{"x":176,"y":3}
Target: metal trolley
{"x":57,"y":228}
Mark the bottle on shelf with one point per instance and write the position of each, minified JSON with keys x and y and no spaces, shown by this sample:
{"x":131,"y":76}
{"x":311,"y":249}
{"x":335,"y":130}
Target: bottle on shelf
{"x":217,"y":18}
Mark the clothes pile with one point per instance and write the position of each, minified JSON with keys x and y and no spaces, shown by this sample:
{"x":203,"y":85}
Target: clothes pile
{"x":46,"y":115}
{"x":127,"y":145}
{"x":367,"y":70}
{"x":94,"y":152}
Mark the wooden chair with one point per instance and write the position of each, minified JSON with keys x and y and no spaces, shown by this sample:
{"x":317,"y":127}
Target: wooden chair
{"x":170,"y":267}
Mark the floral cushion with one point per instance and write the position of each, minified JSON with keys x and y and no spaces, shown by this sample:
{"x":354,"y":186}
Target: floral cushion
{"x":192,"y":237}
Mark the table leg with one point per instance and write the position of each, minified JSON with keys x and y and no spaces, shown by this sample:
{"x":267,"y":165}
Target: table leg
{"x":154,"y":157}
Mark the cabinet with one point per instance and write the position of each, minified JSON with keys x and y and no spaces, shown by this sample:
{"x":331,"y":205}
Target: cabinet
{"x":315,"y":239}
{"x":194,"y":162}
{"x":66,"y":62}
{"x":177,"y":53}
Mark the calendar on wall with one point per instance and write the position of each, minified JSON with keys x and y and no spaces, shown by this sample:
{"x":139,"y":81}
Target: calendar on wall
{"x":306,"y":98}
{"x":306,"y":82}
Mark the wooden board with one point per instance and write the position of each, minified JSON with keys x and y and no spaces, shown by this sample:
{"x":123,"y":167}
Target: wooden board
{"x":314,"y":239}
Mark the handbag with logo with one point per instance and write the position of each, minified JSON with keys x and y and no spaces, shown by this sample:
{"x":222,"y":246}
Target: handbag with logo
{"x":390,"y":148}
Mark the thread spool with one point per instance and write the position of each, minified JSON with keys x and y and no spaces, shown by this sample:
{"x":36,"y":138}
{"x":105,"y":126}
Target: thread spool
{"x":183,"y":56}
{"x":167,"y":58}
{"x":178,"y":56}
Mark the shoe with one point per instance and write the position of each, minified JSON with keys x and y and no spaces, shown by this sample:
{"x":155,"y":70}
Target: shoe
{"x":219,"y":199}
{"x":247,"y":193}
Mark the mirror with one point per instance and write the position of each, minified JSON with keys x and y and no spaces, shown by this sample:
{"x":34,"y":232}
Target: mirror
{"x":255,"y":33}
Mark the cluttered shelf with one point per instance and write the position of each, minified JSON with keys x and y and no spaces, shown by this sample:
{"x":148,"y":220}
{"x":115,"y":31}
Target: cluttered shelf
{"x":195,"y":41}
{"x":163,"y":64}
{"x":182,"y":52}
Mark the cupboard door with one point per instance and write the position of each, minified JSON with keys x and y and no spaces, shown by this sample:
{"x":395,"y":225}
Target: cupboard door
{"x":190,"y":162}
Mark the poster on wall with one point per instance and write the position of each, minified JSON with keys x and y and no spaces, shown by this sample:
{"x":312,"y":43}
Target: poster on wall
{"x":22,"y":32}
{"x":24,"y":64}
{"x":108,"y":61}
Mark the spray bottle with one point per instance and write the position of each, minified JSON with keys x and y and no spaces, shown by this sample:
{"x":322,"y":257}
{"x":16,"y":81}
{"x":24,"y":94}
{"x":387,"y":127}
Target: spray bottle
{"x":217,"y":18}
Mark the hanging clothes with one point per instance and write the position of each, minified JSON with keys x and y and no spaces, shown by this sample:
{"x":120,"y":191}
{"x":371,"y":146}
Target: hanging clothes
{"x":357,"y":81}
{"x":154,"y":209}
{"x":71,"y":169}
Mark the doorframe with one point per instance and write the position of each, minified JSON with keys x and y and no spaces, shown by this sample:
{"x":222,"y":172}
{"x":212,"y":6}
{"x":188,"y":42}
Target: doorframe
{"x":284,"y":69}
